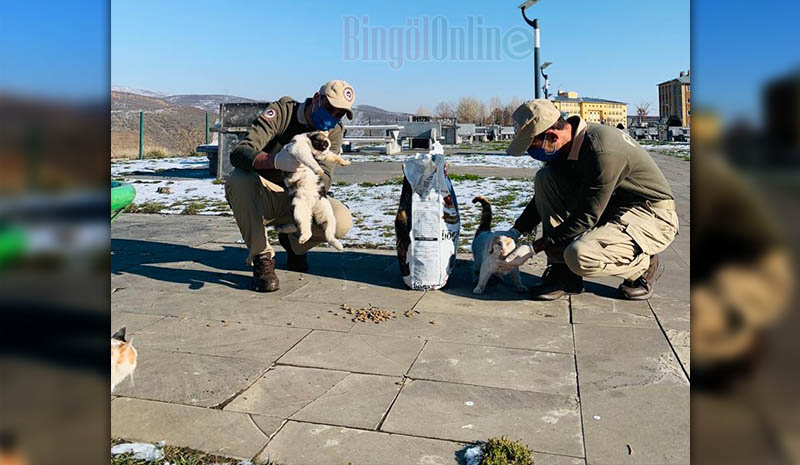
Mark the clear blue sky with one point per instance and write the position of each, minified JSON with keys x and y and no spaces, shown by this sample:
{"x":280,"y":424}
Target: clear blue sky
{"x":616,"y":49}
{"x":737,"y":49}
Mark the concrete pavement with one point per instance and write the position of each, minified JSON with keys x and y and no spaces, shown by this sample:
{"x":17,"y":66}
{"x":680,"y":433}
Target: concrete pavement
{"x":289,"y":377}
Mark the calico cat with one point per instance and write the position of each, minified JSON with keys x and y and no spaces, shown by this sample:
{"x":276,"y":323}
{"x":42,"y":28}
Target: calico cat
{"x":123,"y":358}
{"x":306,"y":190}
{"x":488,"y":249}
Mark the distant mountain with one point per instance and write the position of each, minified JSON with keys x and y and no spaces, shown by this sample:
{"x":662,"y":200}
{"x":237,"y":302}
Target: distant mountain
{"x":205,"y":102}
{"x":175,"y":124}
{"x":131,"y":90}
{"x":368,"y":114}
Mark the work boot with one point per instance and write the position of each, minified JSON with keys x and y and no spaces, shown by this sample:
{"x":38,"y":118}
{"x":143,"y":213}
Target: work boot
{"x":558,"y":281}
{"x":264,"y":277}
{"x":641,"y":288}
{"x":294,"y":262}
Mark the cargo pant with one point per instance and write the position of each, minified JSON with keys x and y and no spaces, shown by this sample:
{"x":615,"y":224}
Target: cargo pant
{"x":257,"y":203}
{"x":619,"y":246}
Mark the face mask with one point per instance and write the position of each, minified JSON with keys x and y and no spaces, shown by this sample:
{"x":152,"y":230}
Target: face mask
{"x":543,"y":155}
{"x":322,"y":119}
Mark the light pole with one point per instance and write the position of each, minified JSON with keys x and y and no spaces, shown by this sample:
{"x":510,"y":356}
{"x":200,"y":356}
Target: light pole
{"x":546,"y":81}
{"x":535,"y":25}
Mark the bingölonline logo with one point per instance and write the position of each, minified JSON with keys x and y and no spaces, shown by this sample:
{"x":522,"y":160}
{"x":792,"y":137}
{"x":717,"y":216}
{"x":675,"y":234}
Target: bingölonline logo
{"x":433,"y":39}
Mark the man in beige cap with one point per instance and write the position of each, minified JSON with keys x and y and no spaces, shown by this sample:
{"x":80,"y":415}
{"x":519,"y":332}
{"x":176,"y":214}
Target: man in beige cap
{"x":255,"y":189}
{"x":606,"y":208}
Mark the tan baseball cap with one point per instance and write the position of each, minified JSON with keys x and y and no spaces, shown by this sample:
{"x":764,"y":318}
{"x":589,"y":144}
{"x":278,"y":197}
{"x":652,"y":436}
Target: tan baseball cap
{"x":340,"y":95}
{"x":531,"y":119}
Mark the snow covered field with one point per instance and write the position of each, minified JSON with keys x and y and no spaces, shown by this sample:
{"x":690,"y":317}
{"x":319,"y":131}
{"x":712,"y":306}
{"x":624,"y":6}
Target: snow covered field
{"x":373,"y":205}
{"x":500,"y":160}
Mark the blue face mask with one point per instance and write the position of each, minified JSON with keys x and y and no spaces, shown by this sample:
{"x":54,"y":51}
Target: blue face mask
{"x":543,"y":155}
{"x":323,"y":120}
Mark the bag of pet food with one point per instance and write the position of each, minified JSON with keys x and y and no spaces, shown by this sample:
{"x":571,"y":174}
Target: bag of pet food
{"x":427,"y":222}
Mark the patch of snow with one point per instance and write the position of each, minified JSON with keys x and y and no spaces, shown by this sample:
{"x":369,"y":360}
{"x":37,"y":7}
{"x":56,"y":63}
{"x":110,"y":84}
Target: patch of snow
{"x":596,"y":417}
{"x":140,"y":450}
{"x":469,"y":403}
{"x":500,"y":160}
{"x":373,"y":207}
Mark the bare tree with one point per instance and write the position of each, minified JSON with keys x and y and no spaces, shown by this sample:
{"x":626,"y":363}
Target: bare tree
{"x":469,"y":110}
{"x":423,"y":111}
{"x":494,"y":103}
{"x":641,"y":112}
{"x":445,"y":110}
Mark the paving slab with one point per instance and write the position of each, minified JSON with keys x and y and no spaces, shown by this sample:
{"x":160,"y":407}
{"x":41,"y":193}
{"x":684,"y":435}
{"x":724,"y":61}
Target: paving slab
{"x":131,"y":321}
{"x":245,"y":307}
{"x":480,"y":330}
{"x":215,"y":431}
{"x":545,"y":422}
{"x":591,"y":308}
{"x":523,"y":370}
{"x":645,"y":424}
{"x":355,"y":353}
{"x":358,"y":401}
{"x":358,"y":293}
{"x":613,"y":357}
{"x":263,"y":344}
{"x":188,"y":379}
{"x":498,"y":300}
{"x":283,"y":391}
{"x":673,"y":312}
{"x":324,"y":444}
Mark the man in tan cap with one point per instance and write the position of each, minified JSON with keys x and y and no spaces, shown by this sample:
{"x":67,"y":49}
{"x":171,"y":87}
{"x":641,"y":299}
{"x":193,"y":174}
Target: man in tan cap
{"x":606,"y":208}
{"x":255,"y":189}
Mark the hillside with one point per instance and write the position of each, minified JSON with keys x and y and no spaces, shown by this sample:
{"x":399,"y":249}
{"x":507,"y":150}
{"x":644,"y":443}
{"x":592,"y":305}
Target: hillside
{"x":174,"y":124}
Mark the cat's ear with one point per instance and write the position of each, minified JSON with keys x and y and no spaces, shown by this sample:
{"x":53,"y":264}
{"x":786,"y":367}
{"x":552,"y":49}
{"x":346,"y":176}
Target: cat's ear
{"x":119,"y":335}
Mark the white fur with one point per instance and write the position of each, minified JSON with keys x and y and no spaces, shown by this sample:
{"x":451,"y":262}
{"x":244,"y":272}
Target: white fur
{"x":488,"y":249}
{"x":307,"y":204}
{"x":121,"y":369}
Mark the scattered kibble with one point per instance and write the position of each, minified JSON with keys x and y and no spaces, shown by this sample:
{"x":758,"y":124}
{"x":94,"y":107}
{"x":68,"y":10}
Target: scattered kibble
{"x":368,"y":313}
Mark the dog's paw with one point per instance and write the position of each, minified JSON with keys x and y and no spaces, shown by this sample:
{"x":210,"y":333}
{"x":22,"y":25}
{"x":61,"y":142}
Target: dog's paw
{"x":477,"y":290}
{"x":303,"y":238}
{"x":337,"y":245}
{"x":344,"y":162}
{"x":319,"y":172}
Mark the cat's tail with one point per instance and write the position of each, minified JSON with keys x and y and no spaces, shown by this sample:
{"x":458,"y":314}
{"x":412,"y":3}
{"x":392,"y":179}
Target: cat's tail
{"x":486,"y":214}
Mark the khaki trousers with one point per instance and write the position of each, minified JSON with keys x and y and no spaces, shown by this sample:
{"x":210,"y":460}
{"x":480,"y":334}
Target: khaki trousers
{"x":257,"y":203}
{"x":620,"y":246}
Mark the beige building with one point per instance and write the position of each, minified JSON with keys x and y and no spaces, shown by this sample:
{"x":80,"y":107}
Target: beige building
{"x":674,"y":99}
{"x":593,"y":110}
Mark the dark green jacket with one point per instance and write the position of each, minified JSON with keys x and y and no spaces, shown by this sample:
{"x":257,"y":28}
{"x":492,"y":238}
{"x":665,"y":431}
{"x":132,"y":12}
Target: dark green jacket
{"x":273,"y":129}
{"x":613,"y":169}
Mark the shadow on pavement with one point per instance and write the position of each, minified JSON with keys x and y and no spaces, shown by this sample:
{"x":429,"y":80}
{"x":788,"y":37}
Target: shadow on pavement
{"x":138,"y":257}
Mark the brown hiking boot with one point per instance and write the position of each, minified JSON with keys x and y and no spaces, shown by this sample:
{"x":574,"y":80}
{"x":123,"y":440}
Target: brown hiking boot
{"x":264,"y":277}
{"x":641,"y":288}
{"x":294,"y":262}
{"x":558,"y":281}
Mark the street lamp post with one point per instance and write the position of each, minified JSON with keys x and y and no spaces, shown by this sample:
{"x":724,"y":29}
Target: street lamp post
{"x":535,"y":25}
{"x":546,"y":81}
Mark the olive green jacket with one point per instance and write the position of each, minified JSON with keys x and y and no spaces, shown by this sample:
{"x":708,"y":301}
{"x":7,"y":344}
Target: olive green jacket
{"x":273,"y":129}
{"x":613,"y":169}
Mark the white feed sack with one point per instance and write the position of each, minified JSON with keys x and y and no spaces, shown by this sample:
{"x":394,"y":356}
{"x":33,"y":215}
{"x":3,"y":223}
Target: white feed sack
{"x":428,"y":239}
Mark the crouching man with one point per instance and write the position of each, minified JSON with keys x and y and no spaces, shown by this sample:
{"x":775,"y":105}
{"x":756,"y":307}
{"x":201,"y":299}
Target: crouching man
{"x":606,"y":208}
{"x":255,"y":189}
